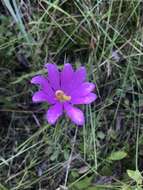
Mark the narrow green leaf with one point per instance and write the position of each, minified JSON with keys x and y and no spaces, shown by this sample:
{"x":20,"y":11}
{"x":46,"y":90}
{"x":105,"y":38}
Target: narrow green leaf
{"x":118,"y":155}
{"x":16,"y":14}
{"x":135,"y":175}
{"x":83,"y":184}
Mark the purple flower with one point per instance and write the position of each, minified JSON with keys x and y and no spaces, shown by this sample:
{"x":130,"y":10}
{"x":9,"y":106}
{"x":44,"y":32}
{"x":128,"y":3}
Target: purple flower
{"x":63,"y":90}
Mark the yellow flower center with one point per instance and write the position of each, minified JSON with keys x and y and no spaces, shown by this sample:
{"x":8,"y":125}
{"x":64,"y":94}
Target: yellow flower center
{"x":61,"y":96}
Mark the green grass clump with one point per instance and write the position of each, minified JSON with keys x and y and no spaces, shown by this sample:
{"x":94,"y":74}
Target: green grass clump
{"x":105,"y":37}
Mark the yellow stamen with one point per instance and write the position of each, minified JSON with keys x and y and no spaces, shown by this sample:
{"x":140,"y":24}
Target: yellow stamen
{"x":61,"y":96}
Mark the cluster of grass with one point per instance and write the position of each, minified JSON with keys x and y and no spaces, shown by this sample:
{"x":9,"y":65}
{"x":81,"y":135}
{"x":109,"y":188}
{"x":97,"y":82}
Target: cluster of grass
{"x":105,"y":37}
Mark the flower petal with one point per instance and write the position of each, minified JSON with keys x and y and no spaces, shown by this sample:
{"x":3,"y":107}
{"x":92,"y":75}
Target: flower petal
{"x":78,"y":78}
{"x":39,"y":79}
{"x":66,"y":76}
{"x":54,"y":112}
{"x":85,"y":99}
{"x":41,"y":96}
{"x":53,"y":75}
{"x":80,"y":75}
{"x":84,"y":89}
{"x":43,"y":82}
{"x":75,"y":114}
